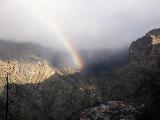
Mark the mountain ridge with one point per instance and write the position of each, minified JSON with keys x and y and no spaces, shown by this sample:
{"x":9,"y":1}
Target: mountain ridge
{"x":68,"y":93}
{"x":146,"y":50}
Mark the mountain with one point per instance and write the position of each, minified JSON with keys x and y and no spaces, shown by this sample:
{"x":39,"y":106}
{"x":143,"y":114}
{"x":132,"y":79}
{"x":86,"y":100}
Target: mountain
{"x":138,"y":81}
{"x":37,"y":90}
{"x":25,"y":72}
{"x":123,"y":85}
{"x":145,"y":52}
{"x":145,"y":55}
{"x":11,"y":50}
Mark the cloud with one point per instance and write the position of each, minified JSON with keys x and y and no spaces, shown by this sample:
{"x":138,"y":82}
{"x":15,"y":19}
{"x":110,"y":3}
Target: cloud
{"x":109,"y":24}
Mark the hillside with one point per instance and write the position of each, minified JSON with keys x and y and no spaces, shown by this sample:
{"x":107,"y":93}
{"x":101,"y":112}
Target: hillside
{"x":24,"y":72}
{"x":38,"y":87}
{"x":145,"y":52}
{"x":129,"y":90}
{"x":138,"y":81}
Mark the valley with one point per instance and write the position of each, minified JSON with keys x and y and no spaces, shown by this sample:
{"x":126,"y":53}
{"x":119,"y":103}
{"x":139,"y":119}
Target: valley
{"x":112,"y":85}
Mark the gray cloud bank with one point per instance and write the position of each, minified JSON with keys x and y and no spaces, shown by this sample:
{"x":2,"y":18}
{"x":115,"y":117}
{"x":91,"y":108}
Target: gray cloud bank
{"x":109,"y":24}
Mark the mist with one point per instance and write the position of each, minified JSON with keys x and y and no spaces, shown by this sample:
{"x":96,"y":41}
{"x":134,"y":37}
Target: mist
{"x":88,"y":24}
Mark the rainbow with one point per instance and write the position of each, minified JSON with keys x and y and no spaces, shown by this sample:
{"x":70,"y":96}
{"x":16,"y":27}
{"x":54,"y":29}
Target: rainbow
{"x":42,"y":17}
{"x":73,"y":52}
{"x":76,"y":58}
{"x":70,"y":47}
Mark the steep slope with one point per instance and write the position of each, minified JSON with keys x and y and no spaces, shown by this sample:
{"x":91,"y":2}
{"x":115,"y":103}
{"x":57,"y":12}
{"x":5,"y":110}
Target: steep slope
{"x":145,"y":52}
{"x":25,"y":72}
{"x":139,"y":80}
{"x":143,"y":62}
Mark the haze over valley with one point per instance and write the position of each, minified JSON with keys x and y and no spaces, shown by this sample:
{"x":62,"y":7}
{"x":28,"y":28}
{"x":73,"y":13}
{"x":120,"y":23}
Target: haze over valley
{"x":79,"y":60}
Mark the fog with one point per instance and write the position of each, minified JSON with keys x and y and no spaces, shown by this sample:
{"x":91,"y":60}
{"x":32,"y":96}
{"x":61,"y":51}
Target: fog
{"x":89,"y":24}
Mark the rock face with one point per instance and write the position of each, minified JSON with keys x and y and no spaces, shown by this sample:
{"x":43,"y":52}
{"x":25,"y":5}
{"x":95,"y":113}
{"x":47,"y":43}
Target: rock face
{"x":145,"y":51}
{"x":25,"y":72}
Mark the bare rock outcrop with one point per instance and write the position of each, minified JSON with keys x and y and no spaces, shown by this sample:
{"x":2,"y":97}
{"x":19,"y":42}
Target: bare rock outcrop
{"x":25,"y":72}
{"x":145,"y":51}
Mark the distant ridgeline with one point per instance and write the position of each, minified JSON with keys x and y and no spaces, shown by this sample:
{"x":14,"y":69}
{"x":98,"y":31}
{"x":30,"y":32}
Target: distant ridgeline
{"x":10,"y":50}
{"x":13,"y":50}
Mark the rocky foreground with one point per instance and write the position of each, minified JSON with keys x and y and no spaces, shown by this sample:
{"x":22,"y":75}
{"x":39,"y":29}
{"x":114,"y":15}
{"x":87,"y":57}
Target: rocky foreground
{"x":116,"y":110}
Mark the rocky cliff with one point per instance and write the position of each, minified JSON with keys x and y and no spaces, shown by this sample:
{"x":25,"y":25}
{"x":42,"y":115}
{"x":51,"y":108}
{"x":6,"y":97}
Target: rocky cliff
{"x":145,"y":51}
{"x":24,"y":72}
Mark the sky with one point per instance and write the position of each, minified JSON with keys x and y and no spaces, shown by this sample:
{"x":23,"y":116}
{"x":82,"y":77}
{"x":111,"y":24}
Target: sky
{"x":87,"y":24}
